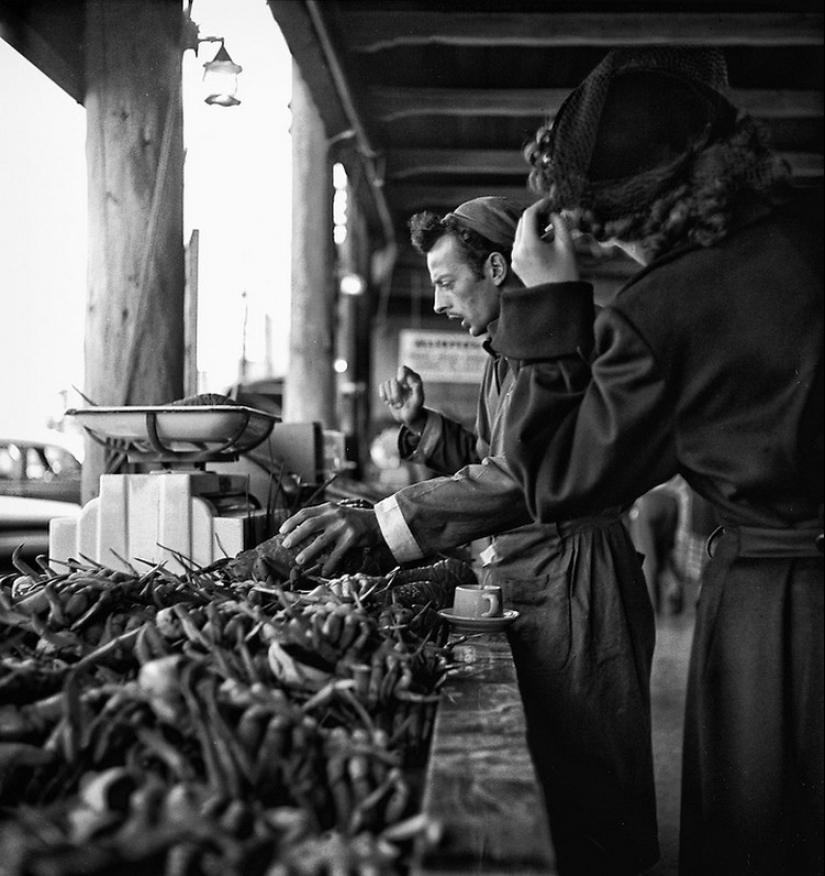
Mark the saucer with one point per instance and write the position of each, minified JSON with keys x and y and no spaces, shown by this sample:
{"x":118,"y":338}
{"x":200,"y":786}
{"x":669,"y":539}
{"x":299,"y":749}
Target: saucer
{"x":478,"y":624}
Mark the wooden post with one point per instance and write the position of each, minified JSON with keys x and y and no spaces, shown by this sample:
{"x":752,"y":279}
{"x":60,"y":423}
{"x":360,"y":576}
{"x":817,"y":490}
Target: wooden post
{"x":191,"y":377}
{"x":134,"y":320}
{"x":309,"y":393}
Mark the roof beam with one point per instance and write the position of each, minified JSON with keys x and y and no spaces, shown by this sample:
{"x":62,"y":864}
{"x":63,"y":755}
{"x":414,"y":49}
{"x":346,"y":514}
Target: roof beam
{"x":405,"y":164}
{"x":372,"y":31}
{"x":25,"y":39}
{"x":390,"y":104}
{"x":409,"y":198}
{"x":299,"y":31}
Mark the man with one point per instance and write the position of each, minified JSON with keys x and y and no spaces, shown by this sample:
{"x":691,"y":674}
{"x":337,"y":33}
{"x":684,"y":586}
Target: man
{"x":708,"y":364}
{"x":583,"y":642}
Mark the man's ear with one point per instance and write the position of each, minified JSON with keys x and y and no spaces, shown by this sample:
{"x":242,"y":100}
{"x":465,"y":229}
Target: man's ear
{"x":497,"y":267}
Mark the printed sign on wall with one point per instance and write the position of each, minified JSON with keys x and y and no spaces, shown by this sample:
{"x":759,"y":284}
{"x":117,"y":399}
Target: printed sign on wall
{"x":442,"y":357}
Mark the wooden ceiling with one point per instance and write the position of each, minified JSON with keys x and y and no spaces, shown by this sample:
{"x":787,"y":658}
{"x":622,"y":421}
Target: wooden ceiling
{"x":430,"y":103}
{"x":436,"y":99}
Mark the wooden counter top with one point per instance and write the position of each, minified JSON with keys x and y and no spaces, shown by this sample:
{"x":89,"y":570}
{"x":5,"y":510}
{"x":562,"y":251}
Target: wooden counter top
{"x":480,"y":785}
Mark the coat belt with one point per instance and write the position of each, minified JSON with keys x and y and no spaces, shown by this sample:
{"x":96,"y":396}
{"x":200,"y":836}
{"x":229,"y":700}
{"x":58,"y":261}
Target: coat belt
{"x":754,"y":541}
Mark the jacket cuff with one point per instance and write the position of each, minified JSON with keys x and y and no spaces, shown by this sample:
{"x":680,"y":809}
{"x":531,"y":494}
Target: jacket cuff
{"x":395,"y":531}
{"x":419,"y":448}
{"x":545,"y":322}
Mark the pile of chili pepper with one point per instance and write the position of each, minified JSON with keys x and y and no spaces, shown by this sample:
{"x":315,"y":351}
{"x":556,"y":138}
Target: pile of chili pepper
{"x":181,"y":724}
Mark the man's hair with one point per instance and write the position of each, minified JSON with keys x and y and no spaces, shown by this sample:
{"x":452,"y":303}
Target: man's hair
{"x":427,"y":228}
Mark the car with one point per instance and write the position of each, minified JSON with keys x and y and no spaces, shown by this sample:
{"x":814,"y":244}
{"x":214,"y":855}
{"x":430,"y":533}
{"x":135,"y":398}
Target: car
{"x":42,"y":466}
{"x":40,"y":479}
{"x":24,"y":524}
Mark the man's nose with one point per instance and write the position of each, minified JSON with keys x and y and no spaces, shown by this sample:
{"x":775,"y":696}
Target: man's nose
{"x":441,"y":303}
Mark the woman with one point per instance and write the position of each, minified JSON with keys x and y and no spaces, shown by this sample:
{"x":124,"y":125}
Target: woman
{"x":708,"y":364}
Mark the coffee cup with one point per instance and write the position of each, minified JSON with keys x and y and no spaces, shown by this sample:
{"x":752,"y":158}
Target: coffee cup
{"x":472,"y":600}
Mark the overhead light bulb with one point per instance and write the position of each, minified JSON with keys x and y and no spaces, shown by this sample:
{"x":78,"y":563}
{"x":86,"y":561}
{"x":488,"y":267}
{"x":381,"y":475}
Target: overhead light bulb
{"x":352,"y":284}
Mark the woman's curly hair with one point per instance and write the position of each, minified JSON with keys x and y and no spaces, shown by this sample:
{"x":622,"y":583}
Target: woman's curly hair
{"x":696,"y":198}
{"x":427,"y":228}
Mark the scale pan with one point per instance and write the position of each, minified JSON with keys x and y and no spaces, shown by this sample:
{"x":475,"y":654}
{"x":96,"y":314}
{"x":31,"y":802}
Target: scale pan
{"x":224,"y":428}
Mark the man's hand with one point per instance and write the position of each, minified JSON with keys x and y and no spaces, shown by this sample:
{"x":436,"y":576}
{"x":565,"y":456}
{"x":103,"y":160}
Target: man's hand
{"x":331,"y":530}
{"x":404,"y":396}
{"x":541,"y":258}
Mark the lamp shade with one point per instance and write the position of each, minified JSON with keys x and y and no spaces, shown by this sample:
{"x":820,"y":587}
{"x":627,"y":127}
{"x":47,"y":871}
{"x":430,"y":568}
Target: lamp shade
{"x":220,"y":79}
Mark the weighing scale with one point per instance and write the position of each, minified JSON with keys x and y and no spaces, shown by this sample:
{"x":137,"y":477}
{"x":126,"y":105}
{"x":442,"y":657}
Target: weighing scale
{"x":181,"y":514}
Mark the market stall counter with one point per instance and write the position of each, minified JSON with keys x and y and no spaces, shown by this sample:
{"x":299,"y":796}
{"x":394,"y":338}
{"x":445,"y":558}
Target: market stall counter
{"x":480,"y":785}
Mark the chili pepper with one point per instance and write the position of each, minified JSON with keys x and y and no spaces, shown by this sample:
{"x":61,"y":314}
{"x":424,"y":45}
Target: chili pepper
{"x":233,"y":756}
{"x":238,"y":819}
{"x":358,"y":769}
{"x":217,"y":777}
{"x":361,"y":673}
{"x":349,"y":631}
{"x":104,"y":599}
{"x":379,"y":668}
{"x":366,"y":630}
{"x":252,"y":725}
{"x":155,"y":742}
{"x":272,"y":754}
{"x":19,"y":722}
{"x":332,"y":628}
{"x":189,"y":627}
{"x":336,"y":774}
{"x":22,"y":566}
{"x":43,"y":561}
{"x":5,"y":600}
{"x":363,"y":815}
{"x":183,"y":859}
{"x":398,"y":799}
{"x":391,"y":674}
{"x":33,"y":603}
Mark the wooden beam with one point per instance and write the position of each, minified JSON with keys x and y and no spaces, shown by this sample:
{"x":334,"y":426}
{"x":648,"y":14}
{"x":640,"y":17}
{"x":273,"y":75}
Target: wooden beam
{"x":32,"y":46}
{"x":372,"y":31}
{"x":406,"y":163}
{"x":805,"y":166}
{"x":391,"y":104}
{"x":296,"y":25}
{"x":410,"y":198}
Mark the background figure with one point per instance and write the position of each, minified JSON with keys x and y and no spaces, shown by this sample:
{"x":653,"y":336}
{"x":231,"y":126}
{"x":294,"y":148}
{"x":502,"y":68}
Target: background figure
{"x":670,"y":526}
{"x":654,"y":524}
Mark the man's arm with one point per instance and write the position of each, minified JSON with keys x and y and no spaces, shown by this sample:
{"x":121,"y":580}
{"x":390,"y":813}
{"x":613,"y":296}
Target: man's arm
{"x":426,"y":437}
{"x":444,"y":445}
{"x":421,"y":520}
{"x":443,"y":513}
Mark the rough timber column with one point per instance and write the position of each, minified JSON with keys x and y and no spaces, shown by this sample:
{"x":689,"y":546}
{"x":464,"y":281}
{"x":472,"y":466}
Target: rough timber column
{"x":134,"y":149}
{"x":309,"y":394}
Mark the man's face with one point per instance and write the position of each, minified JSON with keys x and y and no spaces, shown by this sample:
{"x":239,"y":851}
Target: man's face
{"x":459,"y":294}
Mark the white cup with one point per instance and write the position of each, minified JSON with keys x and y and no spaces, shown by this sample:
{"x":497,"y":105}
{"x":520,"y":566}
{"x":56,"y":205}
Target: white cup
{"x":474,"y":601}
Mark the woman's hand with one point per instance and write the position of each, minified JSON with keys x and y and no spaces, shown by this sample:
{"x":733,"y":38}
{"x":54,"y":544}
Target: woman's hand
{"x":404,"y":396}
{"x":540,"y":257}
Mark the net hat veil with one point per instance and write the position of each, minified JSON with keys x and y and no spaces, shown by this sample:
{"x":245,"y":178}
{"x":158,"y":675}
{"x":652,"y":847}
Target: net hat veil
{"x":563,"y":158}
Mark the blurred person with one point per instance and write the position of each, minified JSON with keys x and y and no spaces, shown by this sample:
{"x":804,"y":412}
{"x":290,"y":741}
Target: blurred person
{"x":583,"y":643}
{"x":653,"y":525}
{"x":709,"y":364}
